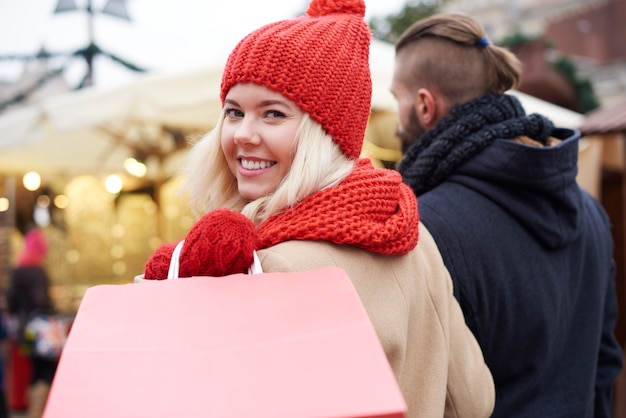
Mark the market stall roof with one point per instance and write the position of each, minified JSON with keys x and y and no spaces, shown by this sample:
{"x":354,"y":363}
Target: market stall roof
{"x":95,"y":130}
{"x":609,"y":119}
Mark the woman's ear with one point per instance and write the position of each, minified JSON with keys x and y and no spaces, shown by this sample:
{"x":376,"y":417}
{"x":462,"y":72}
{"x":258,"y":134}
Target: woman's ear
{"x":426,"y":108}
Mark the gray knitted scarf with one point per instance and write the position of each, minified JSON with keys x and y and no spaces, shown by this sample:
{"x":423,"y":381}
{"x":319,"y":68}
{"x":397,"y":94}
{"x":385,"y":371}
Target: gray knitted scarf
{"x":466,"y":131}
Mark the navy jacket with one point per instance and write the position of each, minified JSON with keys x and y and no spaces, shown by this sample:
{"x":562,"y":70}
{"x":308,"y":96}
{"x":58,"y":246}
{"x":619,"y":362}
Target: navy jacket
{"x":531,"y":257}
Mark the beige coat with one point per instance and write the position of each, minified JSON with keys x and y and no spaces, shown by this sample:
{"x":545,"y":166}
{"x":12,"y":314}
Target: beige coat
{"x":437,"y":361}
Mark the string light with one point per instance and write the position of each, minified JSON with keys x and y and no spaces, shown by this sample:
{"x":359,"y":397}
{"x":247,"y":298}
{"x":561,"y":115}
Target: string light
{"x":113,"y":184}
{"x":135,"y":166}
{"x":31,"y":181}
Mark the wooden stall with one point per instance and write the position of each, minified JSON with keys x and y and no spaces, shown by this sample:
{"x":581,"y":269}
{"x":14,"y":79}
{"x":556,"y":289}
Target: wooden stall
{"x":609,"y":124}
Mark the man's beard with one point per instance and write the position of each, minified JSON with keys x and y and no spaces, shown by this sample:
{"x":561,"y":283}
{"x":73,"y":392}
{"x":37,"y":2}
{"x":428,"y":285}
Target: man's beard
{"x":410,"y":133}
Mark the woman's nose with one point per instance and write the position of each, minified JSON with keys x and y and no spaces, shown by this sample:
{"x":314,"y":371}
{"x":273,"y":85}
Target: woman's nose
{"x":246,"y":132}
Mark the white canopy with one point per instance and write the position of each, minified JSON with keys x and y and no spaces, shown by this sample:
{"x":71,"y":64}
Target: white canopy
{"x":94,"y":130}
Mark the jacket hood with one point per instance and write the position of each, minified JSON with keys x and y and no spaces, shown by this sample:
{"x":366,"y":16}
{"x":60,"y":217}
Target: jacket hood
{"x":537,"y":185}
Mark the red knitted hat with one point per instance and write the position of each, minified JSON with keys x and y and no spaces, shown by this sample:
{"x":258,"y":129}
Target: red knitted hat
{"x":319,"y":61}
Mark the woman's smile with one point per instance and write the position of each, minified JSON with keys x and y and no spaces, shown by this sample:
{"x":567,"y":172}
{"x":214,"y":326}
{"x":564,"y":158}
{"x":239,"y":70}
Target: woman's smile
{"x":255,"y":165}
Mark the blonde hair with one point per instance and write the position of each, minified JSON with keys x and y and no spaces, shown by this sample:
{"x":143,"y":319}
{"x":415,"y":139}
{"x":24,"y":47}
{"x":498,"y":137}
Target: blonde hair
{"x":318,"y":163}
{"x":451,"y":52}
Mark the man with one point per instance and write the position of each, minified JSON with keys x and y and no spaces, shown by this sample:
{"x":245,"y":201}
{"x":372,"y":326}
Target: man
{"x":530,"y":252}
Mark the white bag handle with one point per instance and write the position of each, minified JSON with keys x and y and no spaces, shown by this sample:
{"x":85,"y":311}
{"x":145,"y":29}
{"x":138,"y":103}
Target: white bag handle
{"x":255,"y":268}
{"x":172,"y":273}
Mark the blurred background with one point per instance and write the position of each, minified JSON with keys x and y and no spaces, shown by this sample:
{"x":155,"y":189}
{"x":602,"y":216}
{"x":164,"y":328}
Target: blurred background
{"x":100,"y":98}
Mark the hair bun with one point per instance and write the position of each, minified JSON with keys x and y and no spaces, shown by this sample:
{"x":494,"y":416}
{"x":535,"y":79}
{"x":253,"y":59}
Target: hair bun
{"x":319,"y":8}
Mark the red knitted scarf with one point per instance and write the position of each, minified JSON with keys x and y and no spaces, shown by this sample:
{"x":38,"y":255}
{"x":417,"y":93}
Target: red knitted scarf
{"x":370,"y":209}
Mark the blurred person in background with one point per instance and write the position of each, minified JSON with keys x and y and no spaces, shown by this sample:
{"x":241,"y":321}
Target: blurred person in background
{"x":28,"y":295}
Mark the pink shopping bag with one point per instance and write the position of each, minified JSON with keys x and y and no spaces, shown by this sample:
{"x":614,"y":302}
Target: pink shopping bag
{"x":270,"y":345}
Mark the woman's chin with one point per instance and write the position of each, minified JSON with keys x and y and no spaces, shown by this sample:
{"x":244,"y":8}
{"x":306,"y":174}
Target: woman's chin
{"x":252,"y":193}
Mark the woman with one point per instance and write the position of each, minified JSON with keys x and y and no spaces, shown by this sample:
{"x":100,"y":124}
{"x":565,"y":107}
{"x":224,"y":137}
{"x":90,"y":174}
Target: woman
{"x":285,"y":153}
{"x":29,"y":294}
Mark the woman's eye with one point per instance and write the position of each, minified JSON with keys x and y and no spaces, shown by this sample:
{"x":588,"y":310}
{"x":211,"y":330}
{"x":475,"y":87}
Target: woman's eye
{"x":233,"y":113}
{"x":272,"y":114}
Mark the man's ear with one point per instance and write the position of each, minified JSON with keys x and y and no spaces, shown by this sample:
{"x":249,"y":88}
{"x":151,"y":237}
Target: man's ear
{"x":426,"y":108}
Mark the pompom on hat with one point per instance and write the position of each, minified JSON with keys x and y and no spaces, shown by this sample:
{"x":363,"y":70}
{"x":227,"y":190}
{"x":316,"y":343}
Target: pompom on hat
{"x":319,"y":61}
{"x":222,"y":242}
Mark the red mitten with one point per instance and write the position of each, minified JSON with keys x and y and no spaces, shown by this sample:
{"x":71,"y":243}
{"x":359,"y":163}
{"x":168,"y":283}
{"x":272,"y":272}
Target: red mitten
{"x":157,"y":266}
{"x":222,"y":242}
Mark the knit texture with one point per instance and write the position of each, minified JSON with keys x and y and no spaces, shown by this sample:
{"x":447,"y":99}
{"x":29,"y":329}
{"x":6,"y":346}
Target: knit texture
{"x":371,"y":209}
{"x":466,"y":131}
{"x":319,"y":61}
{"x":220,"y":243}
{"x":158,"y":264}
